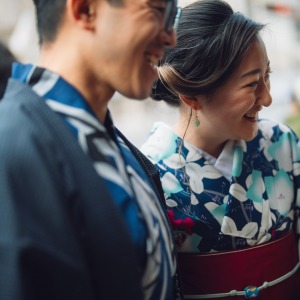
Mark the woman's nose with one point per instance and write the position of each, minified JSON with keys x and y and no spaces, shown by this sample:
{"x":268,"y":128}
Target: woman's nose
{"x":264,"y":95}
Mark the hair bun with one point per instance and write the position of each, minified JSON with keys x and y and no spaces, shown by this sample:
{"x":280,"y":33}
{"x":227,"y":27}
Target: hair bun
{"x":160,"y":92}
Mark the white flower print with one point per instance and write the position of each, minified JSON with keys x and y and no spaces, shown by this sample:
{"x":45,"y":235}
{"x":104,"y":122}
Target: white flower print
{"x":255,"y":190}
{"x":229,"y":228}
{"x":170,"y":184}
{"x":265,"y":145}
{"x":280,"y":192}
{"x":296,"y":168}
{"x":171,"y":203}
{"x":175,"y":161}
{"x":160,"y":145}
{"x":237,"y":191}
{"x":284,"y":128}
{"x":195,"y":175}
{"x":266,"y":127}
{"x":282,"y":149}
{"x":194,"y":200}
{"x":211,"y":172}
{"x":192,"y":154}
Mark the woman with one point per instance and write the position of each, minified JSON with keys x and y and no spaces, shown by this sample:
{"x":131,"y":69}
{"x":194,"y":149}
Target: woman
{"x":230,"y":179}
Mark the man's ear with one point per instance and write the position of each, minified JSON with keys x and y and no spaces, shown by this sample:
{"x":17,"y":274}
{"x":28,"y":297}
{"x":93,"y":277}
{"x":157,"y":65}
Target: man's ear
{"x":192,"y":101}
{"x":83,"y":12}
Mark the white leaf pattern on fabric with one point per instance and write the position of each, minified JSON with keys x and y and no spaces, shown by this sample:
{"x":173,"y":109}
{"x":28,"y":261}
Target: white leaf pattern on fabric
{"x":265,"y":238}
{"x":195,"y":179}
{"x":266,"y":221}
{"x":282,"y":149}
{"x":265,"y":144}
{"x":211,"y":206}
{"x":238,"y":192}
{"x":249,"y":230}
{"x":249,"y":181}
{"x":242,"y":144}
{"x":280,"y":191}
{"x":171,"y":184}
{"x":296,"y":167}
{"x":283,"y":226}
{"x":192,"y":154}
{"x":191,"y":243}
{"x":267,"y":128}
{"x":163,"y":145}
{"x":283,"y":127}
{"x":194,"y":170}
{"x":171,"y":203}
{"x":229,"y":227}
{"x":194,"y":200}
{"x":175,"y":161}
{"x":211,"y":172}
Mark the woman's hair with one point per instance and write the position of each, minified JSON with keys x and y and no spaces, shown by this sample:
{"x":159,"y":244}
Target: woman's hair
{"x":211,"y":41}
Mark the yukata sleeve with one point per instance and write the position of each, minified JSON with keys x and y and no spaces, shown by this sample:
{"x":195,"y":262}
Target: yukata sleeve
{"x":40,"y":256}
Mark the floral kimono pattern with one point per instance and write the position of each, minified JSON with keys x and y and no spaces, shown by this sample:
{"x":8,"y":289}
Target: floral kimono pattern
{"x":210,"y":212}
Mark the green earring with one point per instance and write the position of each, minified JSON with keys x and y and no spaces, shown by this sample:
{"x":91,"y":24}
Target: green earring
{"x":197,"y":122}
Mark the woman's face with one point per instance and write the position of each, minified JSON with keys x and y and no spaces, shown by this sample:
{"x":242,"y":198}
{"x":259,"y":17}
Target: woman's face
{"x":232,"y":111}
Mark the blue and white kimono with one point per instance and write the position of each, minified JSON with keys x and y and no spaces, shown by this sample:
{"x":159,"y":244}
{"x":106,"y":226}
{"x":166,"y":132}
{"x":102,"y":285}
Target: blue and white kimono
{"x":128,"y":184}
{"x":246,"y":197}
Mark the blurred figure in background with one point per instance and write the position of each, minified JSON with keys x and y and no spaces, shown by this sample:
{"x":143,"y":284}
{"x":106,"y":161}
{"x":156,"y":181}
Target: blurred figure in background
{"x":293,"y":119}
{"x":231,"y":180}
{"x":6,"y":60}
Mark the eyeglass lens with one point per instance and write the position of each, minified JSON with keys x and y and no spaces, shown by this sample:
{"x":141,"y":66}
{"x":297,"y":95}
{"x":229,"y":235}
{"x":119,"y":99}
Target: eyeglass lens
{"x":172,"y":15}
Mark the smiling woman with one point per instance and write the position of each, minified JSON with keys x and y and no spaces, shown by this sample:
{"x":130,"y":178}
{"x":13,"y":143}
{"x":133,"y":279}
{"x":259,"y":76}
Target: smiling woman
{"x":229,"y":177}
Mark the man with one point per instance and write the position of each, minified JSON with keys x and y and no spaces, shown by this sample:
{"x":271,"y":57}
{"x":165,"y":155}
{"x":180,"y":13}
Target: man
{"x":81,"y":209}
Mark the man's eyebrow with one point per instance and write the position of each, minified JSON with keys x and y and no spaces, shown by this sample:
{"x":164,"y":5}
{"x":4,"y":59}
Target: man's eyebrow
{"x":159,"y":1}
{"x":255,"y":71}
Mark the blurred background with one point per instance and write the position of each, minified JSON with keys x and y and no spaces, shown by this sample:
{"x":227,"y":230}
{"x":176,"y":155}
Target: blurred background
{"x":135,"y":118}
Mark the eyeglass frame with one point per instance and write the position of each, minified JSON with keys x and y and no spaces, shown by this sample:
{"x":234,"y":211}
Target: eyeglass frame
{"x":172,"y":15}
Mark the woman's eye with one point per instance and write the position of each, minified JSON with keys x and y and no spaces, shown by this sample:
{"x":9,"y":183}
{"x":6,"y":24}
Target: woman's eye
{"x":268,"y":75}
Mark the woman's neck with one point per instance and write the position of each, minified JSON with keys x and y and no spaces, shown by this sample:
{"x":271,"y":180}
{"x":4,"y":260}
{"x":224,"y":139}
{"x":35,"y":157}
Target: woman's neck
{"x":196,"y":136}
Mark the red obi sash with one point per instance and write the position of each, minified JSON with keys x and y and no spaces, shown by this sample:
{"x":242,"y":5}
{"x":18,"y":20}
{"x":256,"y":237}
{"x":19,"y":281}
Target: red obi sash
{"x":269,"y":272}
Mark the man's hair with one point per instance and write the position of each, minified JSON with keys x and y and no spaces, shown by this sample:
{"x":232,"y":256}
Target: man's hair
{"x":49,"y":15}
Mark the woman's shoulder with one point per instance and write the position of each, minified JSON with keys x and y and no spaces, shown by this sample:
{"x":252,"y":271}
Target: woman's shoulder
{"x":161,"y":142}
{"x":270,"y":127}
{"x":269,"y":124}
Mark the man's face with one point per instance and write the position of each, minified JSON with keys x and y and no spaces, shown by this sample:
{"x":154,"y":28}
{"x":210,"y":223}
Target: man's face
{"x":129,"y":41}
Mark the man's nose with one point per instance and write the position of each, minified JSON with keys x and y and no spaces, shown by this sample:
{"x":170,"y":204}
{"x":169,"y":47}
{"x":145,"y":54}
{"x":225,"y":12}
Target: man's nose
{"x":168,"y":38}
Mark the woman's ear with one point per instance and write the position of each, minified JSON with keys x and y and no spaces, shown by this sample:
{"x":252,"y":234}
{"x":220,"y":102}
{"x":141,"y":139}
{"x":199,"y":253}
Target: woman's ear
{"x":192,"y":101}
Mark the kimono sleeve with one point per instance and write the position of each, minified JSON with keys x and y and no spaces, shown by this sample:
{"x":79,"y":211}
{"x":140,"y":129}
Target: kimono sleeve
{"x":40,"y":256}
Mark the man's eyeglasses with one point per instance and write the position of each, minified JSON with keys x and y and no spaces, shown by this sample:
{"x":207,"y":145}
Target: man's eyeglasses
{"x":172,"y":15}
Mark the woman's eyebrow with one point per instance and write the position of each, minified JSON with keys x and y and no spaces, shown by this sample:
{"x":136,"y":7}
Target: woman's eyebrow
{"x":255,"y":71}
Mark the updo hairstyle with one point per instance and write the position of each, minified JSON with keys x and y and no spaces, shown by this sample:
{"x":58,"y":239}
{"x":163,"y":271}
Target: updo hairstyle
{"x":211,"y":41}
